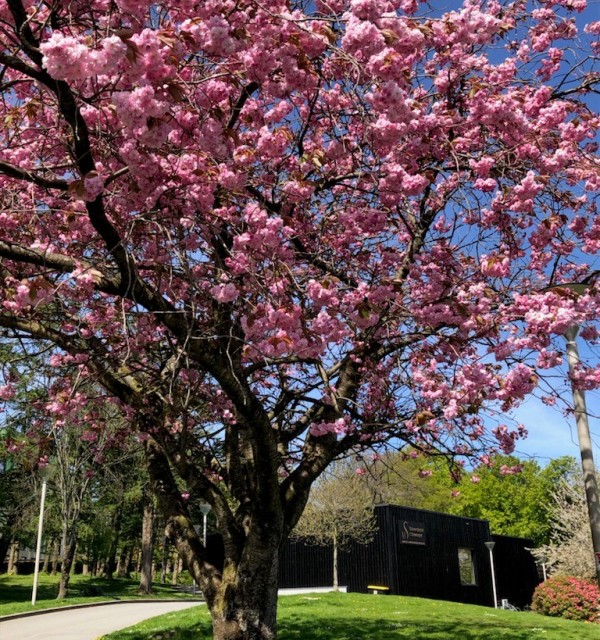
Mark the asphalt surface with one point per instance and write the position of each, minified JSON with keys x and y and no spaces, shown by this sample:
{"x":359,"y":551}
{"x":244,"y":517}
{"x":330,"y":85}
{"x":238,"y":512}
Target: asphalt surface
{"x":86,"y":623}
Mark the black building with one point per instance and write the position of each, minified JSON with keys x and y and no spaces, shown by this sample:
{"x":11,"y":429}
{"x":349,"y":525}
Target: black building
{"x":421,"y":553}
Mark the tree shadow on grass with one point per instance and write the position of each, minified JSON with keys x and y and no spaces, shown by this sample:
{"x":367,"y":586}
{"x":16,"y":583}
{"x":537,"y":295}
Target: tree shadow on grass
{"x":199,"y":631}
{"x":22,"y":592}
{"x":295,"y":628}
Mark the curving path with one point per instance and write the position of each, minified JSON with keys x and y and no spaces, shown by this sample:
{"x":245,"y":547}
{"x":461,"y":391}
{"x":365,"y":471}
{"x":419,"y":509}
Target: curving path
{"x":86,"y":623}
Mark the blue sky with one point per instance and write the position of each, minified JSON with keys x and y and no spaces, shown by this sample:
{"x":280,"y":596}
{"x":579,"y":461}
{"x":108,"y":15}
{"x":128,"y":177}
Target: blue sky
{"x":552,"y":434}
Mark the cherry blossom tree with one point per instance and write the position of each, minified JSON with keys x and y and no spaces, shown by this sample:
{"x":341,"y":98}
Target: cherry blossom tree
{"x":278,"y":233}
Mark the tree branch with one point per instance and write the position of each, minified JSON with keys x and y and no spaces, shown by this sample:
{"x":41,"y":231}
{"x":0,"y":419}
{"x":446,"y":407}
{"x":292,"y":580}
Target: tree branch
{"x":12,"y":171}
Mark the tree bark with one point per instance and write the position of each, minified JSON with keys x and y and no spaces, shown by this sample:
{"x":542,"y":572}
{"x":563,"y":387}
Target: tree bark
{"x":124,"y":562}
{"x":55,"y":554}
{"x":67,"y":563}
{"x":111,"y":562}
{"x":46,"y":564}
{"x":242,"y":598}
{"x":13,"y":556}
{"x":245,"y":605}
{"x":336,"y":585}
{"x":163,"y":565}
{"x":147,"y":547}
{"x":177,"y":568}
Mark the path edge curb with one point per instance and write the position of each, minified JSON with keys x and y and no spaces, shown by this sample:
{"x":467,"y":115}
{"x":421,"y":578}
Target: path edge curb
{"x":84,"y":605}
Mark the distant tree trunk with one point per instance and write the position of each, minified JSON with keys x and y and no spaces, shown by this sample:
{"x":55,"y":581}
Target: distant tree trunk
{"x":123,"y":563}
{"x":111,"y":562}
{"x":94,"y":562}
{"x":164,"y":563}
{"x":46,"y":564}
{"x":69,"y":545}
{"x":177,"y":566}
{"x":13,"y":556}
{"x":74,"y":563}
{"x":336,"y":586}
{"x":55,"y":553}
{"x":168,"y":568}
{"x":147,"y":549}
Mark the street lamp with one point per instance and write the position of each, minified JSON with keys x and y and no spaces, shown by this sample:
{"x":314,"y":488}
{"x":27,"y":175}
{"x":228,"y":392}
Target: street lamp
{"x":205,"y":509}
{"x":45,"y":473}
{"x":490,"y":547}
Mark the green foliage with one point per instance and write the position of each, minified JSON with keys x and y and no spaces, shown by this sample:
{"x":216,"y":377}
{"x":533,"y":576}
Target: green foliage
{"x":411,"y":480}
{"x":568,"y":597}
{"x":356,"y":616}
{"x":515,"y":504}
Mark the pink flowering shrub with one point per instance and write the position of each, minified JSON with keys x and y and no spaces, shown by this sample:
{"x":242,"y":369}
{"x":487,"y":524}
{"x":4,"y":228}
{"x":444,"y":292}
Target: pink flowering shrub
{"x":568,"y":597}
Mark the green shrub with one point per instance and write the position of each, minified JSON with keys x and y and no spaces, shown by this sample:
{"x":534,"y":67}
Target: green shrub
{"x":568,"y":597}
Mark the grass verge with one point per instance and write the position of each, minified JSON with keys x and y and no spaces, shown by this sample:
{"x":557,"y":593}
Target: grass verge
{"x":366,"y":617}
{"x":15,"y":592}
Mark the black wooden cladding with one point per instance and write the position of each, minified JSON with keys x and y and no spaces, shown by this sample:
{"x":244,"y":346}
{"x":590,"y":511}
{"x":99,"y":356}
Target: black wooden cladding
{"x":429,"y":570}
{"x":516,"y":570}
{"x":415,"y":553}
{"x":309,"y":565}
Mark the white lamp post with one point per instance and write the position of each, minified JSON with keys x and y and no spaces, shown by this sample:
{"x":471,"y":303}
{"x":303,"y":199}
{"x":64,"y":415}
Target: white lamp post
{"x":45,"y":473}
{"x":205,"y":509}
{"x":490,"y":547}
{"x":585,"y":446}
{"x":590,"y":481}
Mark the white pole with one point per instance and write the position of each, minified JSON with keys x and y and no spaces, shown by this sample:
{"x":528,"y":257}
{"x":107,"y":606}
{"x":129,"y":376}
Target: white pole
{"x":585,"y":447}
{"x":38,"y":548}
{"x":493,"y":579}
{"x":204,"y":518}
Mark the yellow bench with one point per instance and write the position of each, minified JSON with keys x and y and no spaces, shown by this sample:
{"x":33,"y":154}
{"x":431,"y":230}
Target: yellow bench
{"x":376,"y":589}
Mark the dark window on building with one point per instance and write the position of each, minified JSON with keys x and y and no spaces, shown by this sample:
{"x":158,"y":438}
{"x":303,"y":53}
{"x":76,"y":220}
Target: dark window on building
{"x":466,"y":567}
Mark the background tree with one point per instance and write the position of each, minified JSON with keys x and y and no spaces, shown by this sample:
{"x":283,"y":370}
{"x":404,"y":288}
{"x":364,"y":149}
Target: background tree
{"x":514,"y":495}
{"x":278,"y":235}
{"x":570,"y":550}
{"x":411,"y":479}
{"x":339,"y":511}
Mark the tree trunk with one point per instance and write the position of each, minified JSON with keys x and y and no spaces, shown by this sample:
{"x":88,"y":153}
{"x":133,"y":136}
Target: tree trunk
{"x":111,"y":562}
{"x":46,"y":564}
{"x":13,"y":556}
{"x":242,"y":598}
{"x":245,"y":605}
{"x":336,"y":585}
{"x":124,"y":561}
{"x":163,"y":566}
{"x":147,"y":550}
{"x":55,"y":551}
{"x":177,"y":568}
{"x":67,"y":563}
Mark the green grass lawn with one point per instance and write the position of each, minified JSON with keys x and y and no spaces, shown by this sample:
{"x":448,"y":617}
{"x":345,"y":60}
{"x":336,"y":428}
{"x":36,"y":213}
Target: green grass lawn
{"x":15,"y":592}
{"x":368,"y":617}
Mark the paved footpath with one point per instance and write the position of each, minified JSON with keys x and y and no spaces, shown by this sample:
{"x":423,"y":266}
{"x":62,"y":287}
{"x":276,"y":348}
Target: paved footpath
{"x":86,"y":623}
